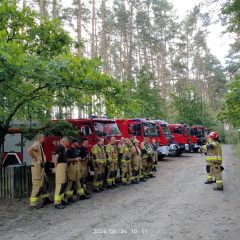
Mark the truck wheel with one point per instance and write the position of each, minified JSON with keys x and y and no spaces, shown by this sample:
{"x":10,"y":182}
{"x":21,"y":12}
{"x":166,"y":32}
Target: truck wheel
{"x":195,"y":150}
{"x":160,"y":157}
{"x":179,"y":153}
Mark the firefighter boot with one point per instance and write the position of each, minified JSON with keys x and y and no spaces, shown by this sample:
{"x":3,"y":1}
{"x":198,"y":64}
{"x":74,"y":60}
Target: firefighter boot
{"x":218,"y":176}
{"x":38,"y":206}
{"x":59,"y":206}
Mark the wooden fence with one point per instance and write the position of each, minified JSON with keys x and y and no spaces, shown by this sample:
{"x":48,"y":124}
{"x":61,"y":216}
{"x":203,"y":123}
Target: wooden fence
{"x":15,"y":181}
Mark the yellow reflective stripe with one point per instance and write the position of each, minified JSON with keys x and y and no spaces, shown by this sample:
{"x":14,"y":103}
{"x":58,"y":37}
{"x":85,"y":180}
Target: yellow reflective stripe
{"x":62,"y":196}
{"x":124,"y":180}
{"x":69,"y":193}
{"x":109,"y":180}
{"x":96,"y":184}
{"x":45,"y":195}
{"x":34,"y":199}
{"x":210,"y":177}
{"x":213,"y":158}
{"x":101,"y":161}
{"x":219,"y":181}
{"x":57,"y":198}
{"x":80,"y":191}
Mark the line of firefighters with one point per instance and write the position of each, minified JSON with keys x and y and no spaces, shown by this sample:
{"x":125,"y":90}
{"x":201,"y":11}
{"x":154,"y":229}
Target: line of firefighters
{"x":135,"y":164}
{"x":71,"y":167}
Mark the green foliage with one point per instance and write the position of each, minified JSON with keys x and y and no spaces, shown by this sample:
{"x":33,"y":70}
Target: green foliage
{"x":138,"y":98}
{"x":38,"y":71}
{"x":189,"y":108}
{"x":55,"y":128}
{"x":230,"y":112}
{"x":59,"y":128}
{"x":231,"y":11}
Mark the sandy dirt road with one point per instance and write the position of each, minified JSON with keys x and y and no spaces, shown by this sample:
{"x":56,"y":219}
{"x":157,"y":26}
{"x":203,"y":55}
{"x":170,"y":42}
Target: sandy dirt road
{"x":175,"y":205}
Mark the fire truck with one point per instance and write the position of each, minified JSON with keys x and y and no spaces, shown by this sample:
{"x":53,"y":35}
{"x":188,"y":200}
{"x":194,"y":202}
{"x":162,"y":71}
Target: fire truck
{"x":181,"y":136}
{"x":140,"y":128}
{"x":15,"y":145}
{"x":197,"y":135}
{"x":166,"y":138}
{"x":88,"y":128}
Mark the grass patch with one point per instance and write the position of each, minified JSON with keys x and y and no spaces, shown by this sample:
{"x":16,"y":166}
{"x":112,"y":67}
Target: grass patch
{"x":237,"y":150}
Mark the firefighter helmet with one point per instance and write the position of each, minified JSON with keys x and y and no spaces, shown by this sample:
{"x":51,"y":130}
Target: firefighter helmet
{"x":213,"y":135}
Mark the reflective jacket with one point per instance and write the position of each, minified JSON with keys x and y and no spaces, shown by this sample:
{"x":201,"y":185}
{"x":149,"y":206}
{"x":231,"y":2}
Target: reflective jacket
{"x":124,"y":152}
{"x":111,"y":152}
{"x":98,"y":153}
{"x":213,"y":154}
{"x":147,"y":150}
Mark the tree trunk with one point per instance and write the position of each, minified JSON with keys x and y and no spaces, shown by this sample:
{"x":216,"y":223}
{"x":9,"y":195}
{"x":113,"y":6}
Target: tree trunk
{"x":54,"y":9}
{"x":103,"y":40}
{"x":79,"y":26}
{"x":24,"y":3}
{"x":93,"y":45}
{"x":130,"y":57}
{"x":41,"y":7}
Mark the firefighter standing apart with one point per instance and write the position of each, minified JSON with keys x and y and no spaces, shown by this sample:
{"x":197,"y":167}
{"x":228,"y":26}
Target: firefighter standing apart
{"x":213,"y":152}
{"x":99,"y":163}
{"x":60,"y":162}
{"x":39,"y":193}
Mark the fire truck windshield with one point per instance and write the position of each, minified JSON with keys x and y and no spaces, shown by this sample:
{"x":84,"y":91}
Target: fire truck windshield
{"x":197,"y":132}
{"x":178,"y":130}
{"x":106,"y":129}
{"x":150,"y":130}
{"x":166,"y":130}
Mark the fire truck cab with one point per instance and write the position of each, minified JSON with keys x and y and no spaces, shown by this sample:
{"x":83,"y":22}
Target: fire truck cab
{"x":15,"y":144}
{"x":140,"y":128}
{"x":197,"y":135}
{"x":166,"y":138}
{"x":181,"y":136}
{"x":89,"y":128}
{"x":15,"y":148}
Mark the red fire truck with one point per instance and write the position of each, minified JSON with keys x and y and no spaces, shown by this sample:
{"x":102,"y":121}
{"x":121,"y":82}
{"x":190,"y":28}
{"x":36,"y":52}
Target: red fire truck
{"x":89,"y":128}
{"x":142,"y":127}
{"x":166,"y":138}
{"x":181,"y":136}
{"x":197,"y":136}
{"x":15,"y":145}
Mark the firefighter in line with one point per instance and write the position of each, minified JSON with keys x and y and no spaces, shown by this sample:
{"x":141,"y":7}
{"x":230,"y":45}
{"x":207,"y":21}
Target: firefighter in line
{"x":39,"y":193}
{"x":155,"y":158}
{"x":99,"y":163}
{"x":112,"y":163}
{"x":72,"y":169}
{"x":124,"y":150}
{"x":213,"y":152}
{"x":60,"y":162}
{"x":83,"y":170}
{"x":136,"y":161}
{"x":147,"y":157}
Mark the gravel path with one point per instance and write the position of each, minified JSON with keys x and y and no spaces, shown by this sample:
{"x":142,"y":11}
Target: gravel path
{"x":175,"y":205}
